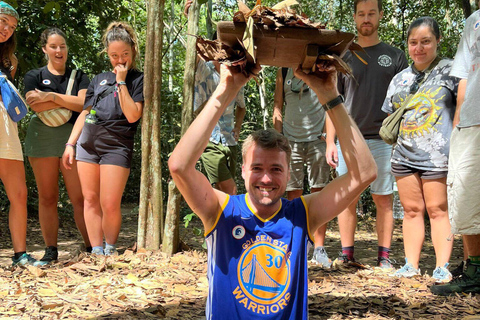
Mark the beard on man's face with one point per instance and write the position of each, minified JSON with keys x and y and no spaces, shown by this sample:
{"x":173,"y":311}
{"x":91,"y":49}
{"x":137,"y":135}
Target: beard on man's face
{"x":367,"y":29}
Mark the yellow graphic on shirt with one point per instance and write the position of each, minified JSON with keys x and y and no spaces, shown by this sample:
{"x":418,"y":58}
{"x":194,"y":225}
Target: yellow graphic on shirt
{"x":424,"y":116}
{"x":264,"y":272}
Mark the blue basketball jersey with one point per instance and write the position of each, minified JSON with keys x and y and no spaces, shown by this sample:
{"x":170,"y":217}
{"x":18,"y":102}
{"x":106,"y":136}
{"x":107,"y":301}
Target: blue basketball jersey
{"x":258,"y":268}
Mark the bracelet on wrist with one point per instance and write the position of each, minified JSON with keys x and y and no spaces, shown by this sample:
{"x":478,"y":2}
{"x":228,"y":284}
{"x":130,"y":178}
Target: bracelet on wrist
{"x":333,"y":103}
{"x":69,"y":145}
{"x":121,"y":82}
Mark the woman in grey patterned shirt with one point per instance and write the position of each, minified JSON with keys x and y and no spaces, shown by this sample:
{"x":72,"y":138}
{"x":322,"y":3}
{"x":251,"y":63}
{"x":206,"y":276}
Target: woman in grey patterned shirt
{"x":420,"y":157}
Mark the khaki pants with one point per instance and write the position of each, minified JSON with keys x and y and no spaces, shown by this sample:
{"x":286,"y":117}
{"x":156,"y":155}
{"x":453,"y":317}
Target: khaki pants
{"x":463,"y":181}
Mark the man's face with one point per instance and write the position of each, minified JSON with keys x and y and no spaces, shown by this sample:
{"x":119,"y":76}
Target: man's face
{"x":367,"y":18}
{"x":266,"y":173}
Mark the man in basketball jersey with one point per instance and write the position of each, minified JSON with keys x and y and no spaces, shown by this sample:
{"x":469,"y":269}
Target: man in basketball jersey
{"x":258,"y":242}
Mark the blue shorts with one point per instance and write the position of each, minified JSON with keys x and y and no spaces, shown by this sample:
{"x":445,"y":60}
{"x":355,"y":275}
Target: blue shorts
{"x":382,"y":153}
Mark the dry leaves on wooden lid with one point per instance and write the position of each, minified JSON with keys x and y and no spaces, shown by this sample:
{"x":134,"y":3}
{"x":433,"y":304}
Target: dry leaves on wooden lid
{"x":215,"y":50}
{"x":243,"y":50}
{"x":280,"y":15}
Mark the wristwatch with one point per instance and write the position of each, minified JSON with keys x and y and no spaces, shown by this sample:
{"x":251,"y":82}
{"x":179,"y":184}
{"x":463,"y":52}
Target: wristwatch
{"x":333,"y":103}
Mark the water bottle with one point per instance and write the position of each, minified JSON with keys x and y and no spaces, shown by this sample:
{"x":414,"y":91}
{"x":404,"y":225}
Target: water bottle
{"x":91,"y":117}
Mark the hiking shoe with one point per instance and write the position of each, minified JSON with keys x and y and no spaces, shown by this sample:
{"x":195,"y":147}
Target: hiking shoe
{"x":407,"y":271}
{"x":50,"y":256}
{"x":385,"y":263}
{"x":459,"y":269}
{"x":320,"y":257}
{"x":441,"y":274}
{"x":468,"y":282}
{"x":25,"y":259}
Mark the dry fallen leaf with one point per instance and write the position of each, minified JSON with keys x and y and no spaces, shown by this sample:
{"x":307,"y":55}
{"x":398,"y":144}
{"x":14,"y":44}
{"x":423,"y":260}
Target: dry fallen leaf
{"x":37,"y":272}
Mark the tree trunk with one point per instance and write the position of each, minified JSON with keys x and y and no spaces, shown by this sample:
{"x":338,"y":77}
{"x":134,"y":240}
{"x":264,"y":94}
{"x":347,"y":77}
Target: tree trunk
{"x":171,"y":233}
{"x":150,"y":220}
{"x":209,"y":23}
{"x":190,"y":67}
{"x":403,"y":8}
{"x":261,"y":91}
{"x":170,"y":48}
{"x":171,"y":238}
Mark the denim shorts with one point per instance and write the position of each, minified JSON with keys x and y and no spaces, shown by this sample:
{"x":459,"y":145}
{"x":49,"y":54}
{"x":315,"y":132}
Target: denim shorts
{"x":312,"y":156}
{"x":382,"y":153}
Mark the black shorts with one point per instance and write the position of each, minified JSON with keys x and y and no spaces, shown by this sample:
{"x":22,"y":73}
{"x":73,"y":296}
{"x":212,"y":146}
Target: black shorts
{"x":97,"y":145}
{"x":400,"y":170}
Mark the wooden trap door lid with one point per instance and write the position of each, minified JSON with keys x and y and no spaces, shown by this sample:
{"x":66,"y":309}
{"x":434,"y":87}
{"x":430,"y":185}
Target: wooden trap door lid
{"x":285,"y":47}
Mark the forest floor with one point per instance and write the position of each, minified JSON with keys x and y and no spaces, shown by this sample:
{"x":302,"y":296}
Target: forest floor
{"x":141,"y":284}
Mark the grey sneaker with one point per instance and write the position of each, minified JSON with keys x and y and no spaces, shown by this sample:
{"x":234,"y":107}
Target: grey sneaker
{"x":441,"y":274}
{"x":320,"y":257}
{"x":407,"y":271}
{"x":25,"y":259}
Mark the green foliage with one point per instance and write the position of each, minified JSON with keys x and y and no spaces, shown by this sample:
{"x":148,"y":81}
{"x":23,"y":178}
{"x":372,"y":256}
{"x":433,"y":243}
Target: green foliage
{"x":84,"y":22}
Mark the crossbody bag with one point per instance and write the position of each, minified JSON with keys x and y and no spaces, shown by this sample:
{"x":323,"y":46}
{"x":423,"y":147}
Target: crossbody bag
{"x":58,"y":116}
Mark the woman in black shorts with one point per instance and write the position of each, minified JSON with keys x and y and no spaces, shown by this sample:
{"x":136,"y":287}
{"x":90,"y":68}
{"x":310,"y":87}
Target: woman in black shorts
{"x":46,"y":89}
{"x":104,"y":138}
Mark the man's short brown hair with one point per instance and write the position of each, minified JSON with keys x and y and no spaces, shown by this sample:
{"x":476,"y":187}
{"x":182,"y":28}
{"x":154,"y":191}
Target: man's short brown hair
{"x":355,"y":4}
{"x":267,"y":139}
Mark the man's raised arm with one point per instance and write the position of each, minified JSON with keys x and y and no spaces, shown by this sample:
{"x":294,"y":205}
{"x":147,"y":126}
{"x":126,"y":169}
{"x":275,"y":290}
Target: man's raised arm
{"x":194,"y":186}
{"x":362,"y":170}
